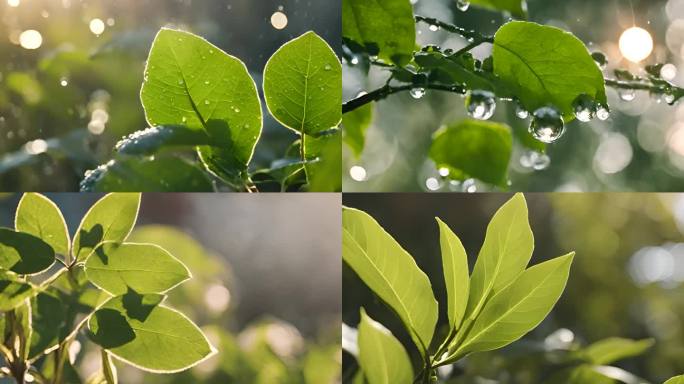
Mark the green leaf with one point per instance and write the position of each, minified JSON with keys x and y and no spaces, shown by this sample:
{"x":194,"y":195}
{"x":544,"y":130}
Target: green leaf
{"x":381,"y":356}
{"x":324,"y":162}
{"x":110,"y":219}
{"x":13,"y":291}
{"x":151,"y":140}
{"x":355,"y":124}
{"x":517,"y":8}
{"x":161,"y":173}
{"x":192,"y":83}
{"x":109,"y":369}
{"x":144,"y":268}
{"x":455,"y":265}
{"x":23,"y":253}
{"x":39,"y":216}
{"x":132,"y":325}
{"x":613,"y":349}
{"x":473,"y":148}
{"x":303,"y":85}
{"x":545,"y":65}
{"x":519,"y":307}
{"x":676,"y":380}
{"x":506,"y":251}
{"x":384,"y":27}
{"x":391,"y":273}
{"x":582,"y":374}
{"x":48,"y":316}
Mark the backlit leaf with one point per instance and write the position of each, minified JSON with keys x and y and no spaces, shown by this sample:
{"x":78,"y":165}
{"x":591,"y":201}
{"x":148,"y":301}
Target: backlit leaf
{"x":517,"y":8}
{"x":381,"y":356}
{"x":23,"y":253}
{"x":39,"y":216}
{"x":456,"y":278}
{"x":613,"y":349}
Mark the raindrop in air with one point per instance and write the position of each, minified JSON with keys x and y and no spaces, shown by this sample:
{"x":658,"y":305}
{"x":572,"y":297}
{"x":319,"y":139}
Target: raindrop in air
{"x":600,"y":59}
{"x":462,"y":5}
{"x":535,"y":160}
{"x":584,"y":108}
{"x":417,"y":92}
{"x":547,"y":125}
{"x":602,"y":113}
{"x":481,"y":104}
{"x":627,"y":94}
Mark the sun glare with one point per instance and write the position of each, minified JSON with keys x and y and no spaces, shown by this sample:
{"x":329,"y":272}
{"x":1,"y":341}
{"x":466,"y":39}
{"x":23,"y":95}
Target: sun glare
{"x":636,"y":44}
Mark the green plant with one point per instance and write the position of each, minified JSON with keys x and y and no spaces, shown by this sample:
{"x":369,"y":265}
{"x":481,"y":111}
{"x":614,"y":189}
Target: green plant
{"x":542,"y":72}
{"x":676,"y":380}
{"x":497,"y":304}
{"x":196,"y":96}
{"x":99,"y":285}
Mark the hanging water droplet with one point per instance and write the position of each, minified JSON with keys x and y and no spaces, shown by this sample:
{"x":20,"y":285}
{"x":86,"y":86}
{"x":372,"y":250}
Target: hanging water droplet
{"x":600,"y":59}
{"x":547,"y":125}
{"x":462,"y":5}
{"x":584,"y":108}
{"x":469,"y":186}
{"x":434,"y":28}
{"x":480,"y":104}
{"x":521,"y":112}
{"x":602,"y":113}
{"x":535,"y":160}
{"x":627,"y":94}
{"x":444,"y":172}
{"x":669,"y":98}
{"x":417,"y":92}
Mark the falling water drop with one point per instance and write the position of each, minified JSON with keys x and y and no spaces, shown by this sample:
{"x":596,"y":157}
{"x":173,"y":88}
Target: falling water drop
{"x":462,"y":5}
{"x":584,"y":108}
{"x":417,"y":92}
{"x":480,"y":104}
{"x":547,"y":125}
{"x":627,"y":94}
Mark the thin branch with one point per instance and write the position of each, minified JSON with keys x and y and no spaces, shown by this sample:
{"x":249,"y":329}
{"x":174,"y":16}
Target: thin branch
{"x":383,"y":92}
{"x":468,"y":34}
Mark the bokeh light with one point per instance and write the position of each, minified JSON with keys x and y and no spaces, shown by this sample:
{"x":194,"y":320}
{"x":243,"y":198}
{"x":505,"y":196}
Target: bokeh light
{"x":31,"y":39}
{"x":636,"y":44}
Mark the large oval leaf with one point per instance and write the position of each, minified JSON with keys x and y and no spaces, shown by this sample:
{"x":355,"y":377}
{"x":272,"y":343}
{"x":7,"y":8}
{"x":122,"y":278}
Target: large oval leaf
{"x":23,"y":253}
{"x":193,"y":83}
{"x":610,"y":350}
{"x":381,"y":356}
{"x":519,"y":307}
{"x":303,"y":85}
{"x":39,"y":216}
{"x":144,"y":268}
{"x":391,"y":273}
{"x":505,"y":253}
{"x":544,"y":65}
{"x":676,"y":380}
{"x":355,"y":125}
{"x":456,"y":273}
{"x":384,"y":27}
{"x":48,"y":317}
{"x":110,"y":219}
{"x":472,"y":148}
{"x":138,"y":330}
{"x":324,"y":162}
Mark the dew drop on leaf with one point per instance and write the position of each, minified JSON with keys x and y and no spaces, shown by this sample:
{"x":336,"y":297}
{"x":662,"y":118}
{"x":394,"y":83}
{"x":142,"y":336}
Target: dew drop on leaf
{"x":327,"y":67}
{"x":584,"y":108}
{"x":627,"y":94}
{"x":547,"y":125}
{"x":462,"y":5}
{"x":207,"y":102}
{"x":481,"y":104}
{"x":417,"y":92}
{"x":600,"y":59}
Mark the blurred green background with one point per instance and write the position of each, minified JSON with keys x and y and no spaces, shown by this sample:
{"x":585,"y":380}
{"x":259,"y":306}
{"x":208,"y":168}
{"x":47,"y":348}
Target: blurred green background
{"x":65,"y":104}
{"x":640,"y":148}
{"x":252,"y":287}
{"x":627,"y":279}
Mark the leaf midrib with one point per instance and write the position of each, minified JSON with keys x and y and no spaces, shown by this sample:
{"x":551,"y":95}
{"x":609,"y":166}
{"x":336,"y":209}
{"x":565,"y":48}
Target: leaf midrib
{"x":538,"y":77}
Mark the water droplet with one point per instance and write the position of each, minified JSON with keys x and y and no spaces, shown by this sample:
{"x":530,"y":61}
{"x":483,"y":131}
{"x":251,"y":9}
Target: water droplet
{"x":602,"y":113}
{"x":63,"y":81}
{"x":211,"y":51}
{"x":180,"y":81}
{"x":669,"y":98}
{"x":327,"y":67}
{"x":521,"y":112}
{"x":417,"y":92}
{"x":358,"y":173}
{"x":547,"y":125}
{"x":627,"y":94}
{"x":481,"y":104}
{"x":434,"y":28}
{"x":469,"y":186}
{"x":184,"y":119}
{"x":433,"y":183}
{"x":207,"y":82}
{"x":444,"y":172}
{"x":535,"y":160}
{"x":462,"y":5}
{"x":584,"y":108}
{"x":237,"y":110}
{"x":207,"y":102}
{"x":600,"y":59}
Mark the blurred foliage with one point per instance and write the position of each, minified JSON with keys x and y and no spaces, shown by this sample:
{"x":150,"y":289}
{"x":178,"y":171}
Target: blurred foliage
{"x":627,"y":278}
{"x":64,"y":105}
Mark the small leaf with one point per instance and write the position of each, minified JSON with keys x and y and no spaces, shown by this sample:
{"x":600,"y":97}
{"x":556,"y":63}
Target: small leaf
{"x":384,"y":27}
{"x":455,"y":265}
{"x":613,"y":349}
{"x":519,"y":307}
{"x":13,"y":291}
{"x":506,"y":251}
{"x":324,"y":162}
{"x":544,"y":65}
{"x":391,"y":273}
{"x":355,"y":124}
{"x":161,"y":173}
{"x":39,"y":216}
{"x":381,"y":356}
{"x":676,"y":380}
{"x":476,"y":149}
{"x":192,"y":83}
{"x":23,"y":253}
{"x":517,"y":8}
{"x":302,"y":85}
{"x":144,"y":268}
{"x":132,"y":325}
{"x":48,"y":316}
{"x":582,"y":374}
{"x":110,"y":219}
{"x":151,"y":140}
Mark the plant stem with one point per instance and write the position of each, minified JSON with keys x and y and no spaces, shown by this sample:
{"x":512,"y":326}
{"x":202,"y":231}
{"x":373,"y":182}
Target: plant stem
{"x":468,"y":34}
{"x":387,"y":90}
